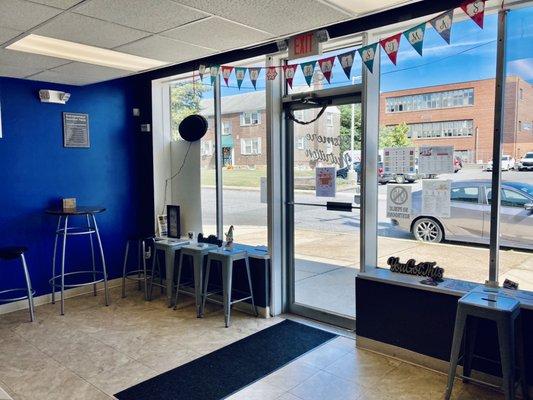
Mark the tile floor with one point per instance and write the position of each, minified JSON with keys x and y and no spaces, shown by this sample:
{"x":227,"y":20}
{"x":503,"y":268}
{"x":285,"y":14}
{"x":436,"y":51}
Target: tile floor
{"x":94,"y":351}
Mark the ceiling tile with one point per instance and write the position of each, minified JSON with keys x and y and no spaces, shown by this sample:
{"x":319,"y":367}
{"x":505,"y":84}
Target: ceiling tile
{"x":362,"y":7}
{"x":79,"y":74}
{"x":23,"y":15}
{"x":81,"y":29}
{"x":164,"y":49}
{"x":63,"y":4}
{"x":229,"y":34}
{"x":160,"y":15}
{"x":274,"y":16}
{"x":17,"y":72}
{"x":20,"y":59}
{"x":8,"y":34}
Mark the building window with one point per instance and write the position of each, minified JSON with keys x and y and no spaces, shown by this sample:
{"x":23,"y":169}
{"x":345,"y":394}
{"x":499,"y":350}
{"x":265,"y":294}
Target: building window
{"x":441,"y":129}
{"x":251,"y":146}
{"x":250,"y":118}
{"x":300,"y":142}
{"x":329,"y":119}
{"x":430,"y":101}
{"x":527,"y":126}
{"x":226,"y":128}
{"x":521,"y":94}
{"x":206,"y":147}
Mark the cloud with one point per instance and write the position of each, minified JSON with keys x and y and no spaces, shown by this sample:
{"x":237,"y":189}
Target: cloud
{"x":522,"y":67}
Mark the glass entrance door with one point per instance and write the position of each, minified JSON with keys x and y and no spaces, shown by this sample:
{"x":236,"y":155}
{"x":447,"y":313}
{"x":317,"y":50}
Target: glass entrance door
{"x":323,"y":160}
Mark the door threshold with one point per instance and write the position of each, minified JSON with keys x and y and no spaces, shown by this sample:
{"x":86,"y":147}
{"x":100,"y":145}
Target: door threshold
{"x":337,"y":330}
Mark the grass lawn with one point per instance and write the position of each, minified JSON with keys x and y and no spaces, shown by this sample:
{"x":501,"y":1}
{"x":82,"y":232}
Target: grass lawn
{"x":251,"y":177}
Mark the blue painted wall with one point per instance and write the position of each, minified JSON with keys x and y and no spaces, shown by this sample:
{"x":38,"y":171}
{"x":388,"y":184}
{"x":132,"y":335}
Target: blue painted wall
{"x":36,"y":171}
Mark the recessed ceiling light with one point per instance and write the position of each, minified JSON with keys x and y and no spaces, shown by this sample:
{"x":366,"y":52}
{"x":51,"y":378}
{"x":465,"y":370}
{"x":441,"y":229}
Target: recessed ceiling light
{"x":80,"y":52}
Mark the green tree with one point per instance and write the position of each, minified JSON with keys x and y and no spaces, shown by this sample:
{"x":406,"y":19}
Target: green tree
{"x":185,"y":99}
{"x":394,"y":136}
{"x":346,"y":123}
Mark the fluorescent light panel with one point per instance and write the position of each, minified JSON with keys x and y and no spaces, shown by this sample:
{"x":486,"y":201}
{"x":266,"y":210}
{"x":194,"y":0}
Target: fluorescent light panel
{"x":367,"y":6}
{"x":46,"y":46}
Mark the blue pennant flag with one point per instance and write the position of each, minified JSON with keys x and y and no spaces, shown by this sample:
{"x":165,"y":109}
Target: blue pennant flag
{"x":308,"y":68}
{"x":415,"y":36}
{"x":346,"y":61}
{"x":368,"y":54}
{"x":213,"y":71}
{"x":239,"y":74}
{"x":443,"y":25}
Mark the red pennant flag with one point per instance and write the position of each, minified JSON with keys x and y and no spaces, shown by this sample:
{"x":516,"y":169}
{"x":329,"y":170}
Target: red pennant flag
{"x":226,"y":72}
{"x":289,"y":71}
{"x":391,"y":46}
{"x":326,"y":66}
{"x":475,"y":10}
{"x":271,"y":73}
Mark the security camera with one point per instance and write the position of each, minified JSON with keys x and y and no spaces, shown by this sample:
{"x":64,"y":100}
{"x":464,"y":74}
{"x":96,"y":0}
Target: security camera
{"x":53,"y":96}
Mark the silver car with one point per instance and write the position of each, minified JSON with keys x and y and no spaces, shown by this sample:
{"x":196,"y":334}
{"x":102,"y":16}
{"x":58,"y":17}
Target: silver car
{"x":470,"y":215}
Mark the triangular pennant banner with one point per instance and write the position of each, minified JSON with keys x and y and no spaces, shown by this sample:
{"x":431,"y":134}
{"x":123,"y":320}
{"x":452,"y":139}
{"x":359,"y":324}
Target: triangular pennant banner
{"x":326,"y":66}
{"x":240,"y":72}
{"x":391,"y":45}
{"x":289,"y":71}
{"x":308,"y":68}
{"x":368,"y":54}
{"x":254,"y":75}
{"x":213,"y":71}
{"x":443,"y":25}
{"x":346,"y":61}
{"x":475,"y":10}
{"x":271,"y":73}
{"x":201,"y":71}
{"x":415,"y":36}
{"x":226,"y":72}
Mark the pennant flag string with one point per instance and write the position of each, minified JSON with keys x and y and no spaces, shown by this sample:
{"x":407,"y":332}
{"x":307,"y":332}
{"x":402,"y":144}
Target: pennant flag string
{"x":442,"y":24}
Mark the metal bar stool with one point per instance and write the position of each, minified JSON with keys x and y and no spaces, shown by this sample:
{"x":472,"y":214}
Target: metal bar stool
{"x":227,"y":258}
{"x":197,"y":252}
{"x":503,"y":310}
{"x":63,"y":231}
{"x":12,"y":253}
{"x":139,"y":274}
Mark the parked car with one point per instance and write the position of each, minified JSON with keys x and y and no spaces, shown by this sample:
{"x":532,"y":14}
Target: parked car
{"x":507,"y":164}
{"x":526,"y":162}
{"x":343,"y":172}
{"x":470,"y":215}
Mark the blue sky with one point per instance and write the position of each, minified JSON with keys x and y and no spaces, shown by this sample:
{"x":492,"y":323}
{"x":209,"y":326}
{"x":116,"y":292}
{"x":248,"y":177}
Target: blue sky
{"x":470,"y":56}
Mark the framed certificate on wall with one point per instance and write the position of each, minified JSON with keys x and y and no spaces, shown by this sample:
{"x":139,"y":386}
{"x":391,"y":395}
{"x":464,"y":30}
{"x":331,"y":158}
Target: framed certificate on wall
{"x":173,"y":221}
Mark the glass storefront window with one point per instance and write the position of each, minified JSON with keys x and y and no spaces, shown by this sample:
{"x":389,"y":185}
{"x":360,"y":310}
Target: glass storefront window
{"x":195,"y":96}
{"x":445,"y":98}
{"x":244,"y":151}
{"x":516,"y":215}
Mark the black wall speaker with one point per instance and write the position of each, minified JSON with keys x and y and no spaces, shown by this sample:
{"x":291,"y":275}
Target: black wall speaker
{"x":193,"y":128}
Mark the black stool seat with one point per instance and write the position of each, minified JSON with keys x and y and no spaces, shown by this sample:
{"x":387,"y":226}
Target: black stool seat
{"x":12,"y":252}
{"x":140,"y":237}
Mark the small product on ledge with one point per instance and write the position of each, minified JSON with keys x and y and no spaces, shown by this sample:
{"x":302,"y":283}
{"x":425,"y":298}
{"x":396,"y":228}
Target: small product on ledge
{"x":509,"y":284}
{"x":69,"y":204}
{"x":211,"y":239}
{"x":428,"y":269}
{"x":229,"y":238}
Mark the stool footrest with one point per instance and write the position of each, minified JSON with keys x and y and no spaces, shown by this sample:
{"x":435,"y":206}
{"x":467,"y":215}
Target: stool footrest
{"x":3,"y":300}
{"x":54,"y":280}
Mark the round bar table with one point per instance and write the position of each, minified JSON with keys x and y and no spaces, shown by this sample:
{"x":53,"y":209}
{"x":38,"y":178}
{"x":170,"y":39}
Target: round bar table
{"x":63,"y":231}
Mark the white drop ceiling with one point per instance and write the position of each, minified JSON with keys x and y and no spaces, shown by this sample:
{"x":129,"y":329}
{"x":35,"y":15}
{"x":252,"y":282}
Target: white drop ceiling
{"x":172,"y":31}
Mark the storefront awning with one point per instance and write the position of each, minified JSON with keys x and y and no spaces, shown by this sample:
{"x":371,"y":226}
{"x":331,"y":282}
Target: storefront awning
{"x":227,"y":141}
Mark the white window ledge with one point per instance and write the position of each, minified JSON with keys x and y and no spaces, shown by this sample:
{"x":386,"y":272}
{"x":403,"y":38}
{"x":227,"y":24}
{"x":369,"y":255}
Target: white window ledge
{"x":454,"y":287}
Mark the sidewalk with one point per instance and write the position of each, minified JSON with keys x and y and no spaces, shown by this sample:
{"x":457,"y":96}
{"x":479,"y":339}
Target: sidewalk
{"x":459,"y":261}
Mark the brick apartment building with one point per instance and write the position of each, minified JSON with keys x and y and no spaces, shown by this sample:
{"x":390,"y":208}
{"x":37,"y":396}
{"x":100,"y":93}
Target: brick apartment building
{"x":462,"y":115}
{"x":244,"y":134}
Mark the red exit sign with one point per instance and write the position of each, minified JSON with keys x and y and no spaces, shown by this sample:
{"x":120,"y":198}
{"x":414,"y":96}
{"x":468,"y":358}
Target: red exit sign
{"x":303,"y":45}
